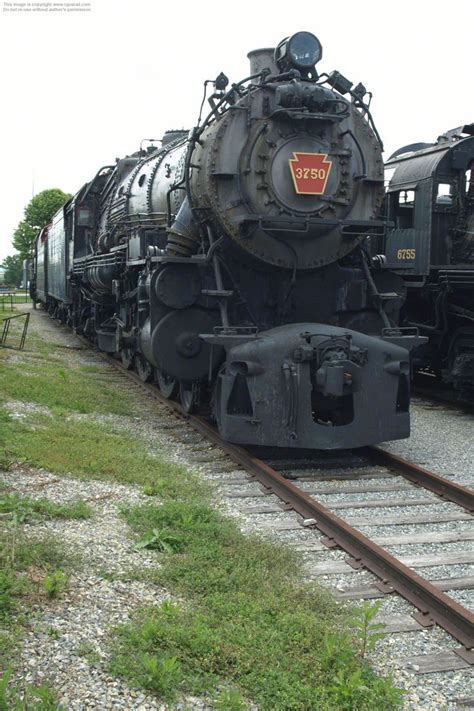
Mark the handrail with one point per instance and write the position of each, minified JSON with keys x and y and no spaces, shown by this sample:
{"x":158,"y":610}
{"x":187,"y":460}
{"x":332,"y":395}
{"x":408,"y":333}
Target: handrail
{"x":6,"y":328}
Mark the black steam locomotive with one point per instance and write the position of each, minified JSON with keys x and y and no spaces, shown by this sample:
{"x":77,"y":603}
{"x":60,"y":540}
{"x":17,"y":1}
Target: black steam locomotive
{"x":230,"y":263}
{"x":430,"y":201}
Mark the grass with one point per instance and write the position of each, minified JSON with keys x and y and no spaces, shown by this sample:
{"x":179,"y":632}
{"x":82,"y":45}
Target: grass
{"x":251,"y":622}
{"x":88,"y":450}
{"x":22,"y":509}
{"x":249,"y":627}
{"x":31,"y":570}
{"x":25,"y":563}
{"x":48,"y":376}
{"x":62,"y":388}
{"x":36,"y":350}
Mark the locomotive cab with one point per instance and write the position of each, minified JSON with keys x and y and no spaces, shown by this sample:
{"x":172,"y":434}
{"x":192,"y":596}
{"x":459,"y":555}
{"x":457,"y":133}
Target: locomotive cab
{"x":429,"y":199}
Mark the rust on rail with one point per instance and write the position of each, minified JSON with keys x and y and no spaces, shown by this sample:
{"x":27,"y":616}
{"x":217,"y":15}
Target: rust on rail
{"x":448,"y":490}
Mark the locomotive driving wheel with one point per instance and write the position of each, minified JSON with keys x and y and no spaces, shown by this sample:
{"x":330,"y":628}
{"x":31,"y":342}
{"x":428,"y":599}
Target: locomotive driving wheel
{"x":143,"y":368}
{"x":168,"y":385}
{"x":190,"y":396}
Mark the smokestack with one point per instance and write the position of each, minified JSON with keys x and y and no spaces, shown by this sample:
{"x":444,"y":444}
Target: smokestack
{"x":262,"y":59}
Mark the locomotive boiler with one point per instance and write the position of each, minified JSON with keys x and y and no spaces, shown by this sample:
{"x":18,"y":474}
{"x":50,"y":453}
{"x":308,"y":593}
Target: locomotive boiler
{"x":230,"y":263}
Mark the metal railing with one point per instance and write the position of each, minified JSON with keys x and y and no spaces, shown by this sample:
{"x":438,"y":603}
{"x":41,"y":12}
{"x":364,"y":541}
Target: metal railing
{"x":6,"y":328}
{"x":8,"y":299}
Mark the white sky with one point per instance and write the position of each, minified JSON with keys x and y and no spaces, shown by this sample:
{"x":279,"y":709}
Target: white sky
{"x":80,"y":89}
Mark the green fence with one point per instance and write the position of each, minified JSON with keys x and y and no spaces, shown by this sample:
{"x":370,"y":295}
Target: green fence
{"x":9,"y":299}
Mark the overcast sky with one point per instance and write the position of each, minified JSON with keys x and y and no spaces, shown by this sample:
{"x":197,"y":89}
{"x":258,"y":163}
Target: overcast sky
{"x":79,"y":89}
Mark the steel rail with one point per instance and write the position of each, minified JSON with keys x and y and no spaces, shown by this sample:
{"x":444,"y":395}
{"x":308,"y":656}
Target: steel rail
{"x":448,"y":490}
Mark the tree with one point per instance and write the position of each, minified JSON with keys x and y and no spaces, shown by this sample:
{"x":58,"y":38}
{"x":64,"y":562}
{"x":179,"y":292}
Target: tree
{"x":23,"y":239}
{"x":13,"y":266}
{"x":42,"y":207}
{"x":38,"y":213}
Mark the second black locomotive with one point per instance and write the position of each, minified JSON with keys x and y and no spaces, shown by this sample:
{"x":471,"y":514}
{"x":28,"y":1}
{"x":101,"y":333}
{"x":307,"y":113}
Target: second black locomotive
{"x":430,"y":202}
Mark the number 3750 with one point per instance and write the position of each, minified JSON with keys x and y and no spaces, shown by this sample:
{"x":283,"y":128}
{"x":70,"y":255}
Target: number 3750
{"x":406,"y":254}
{"x":313,"y":173}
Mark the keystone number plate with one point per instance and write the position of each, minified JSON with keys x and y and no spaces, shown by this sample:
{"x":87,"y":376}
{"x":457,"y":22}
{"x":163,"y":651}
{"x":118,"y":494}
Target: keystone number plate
{"x":310,"y":172}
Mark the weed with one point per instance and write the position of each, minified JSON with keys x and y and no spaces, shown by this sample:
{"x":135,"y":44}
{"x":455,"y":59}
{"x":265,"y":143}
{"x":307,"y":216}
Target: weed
{"x":149,"y":490}
{"x":108,"y":575}
{"x":24,"y":563}
{"x":55,"y":583}
{"x":9,"y":588}
{"x":160,"y":540}
{"x":53,"y":632}
{"x":229,"y":700}
{"x":162,"y":674}
{"x":333,"y":653}
{"x":84,"y":648}
{"x":369,"y":632}
{"x":26,"y":697}
{"x":89,"y":652}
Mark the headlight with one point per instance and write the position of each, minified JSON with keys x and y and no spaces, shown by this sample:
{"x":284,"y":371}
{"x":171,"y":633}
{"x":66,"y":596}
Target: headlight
{"x":301,"y":51}
{"x":304,"y":50}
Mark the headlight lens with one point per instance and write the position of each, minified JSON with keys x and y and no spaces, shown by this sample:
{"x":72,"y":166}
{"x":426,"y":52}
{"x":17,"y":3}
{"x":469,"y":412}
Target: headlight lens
{"x":304,"y":50}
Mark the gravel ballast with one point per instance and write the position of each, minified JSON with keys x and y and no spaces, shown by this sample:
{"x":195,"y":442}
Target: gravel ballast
{"x":442,"y":439}
{"x":67,"y":641}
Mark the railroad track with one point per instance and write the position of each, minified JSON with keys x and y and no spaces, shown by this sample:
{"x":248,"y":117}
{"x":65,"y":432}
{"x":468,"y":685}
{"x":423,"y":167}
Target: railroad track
{"x":386,"y":483}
